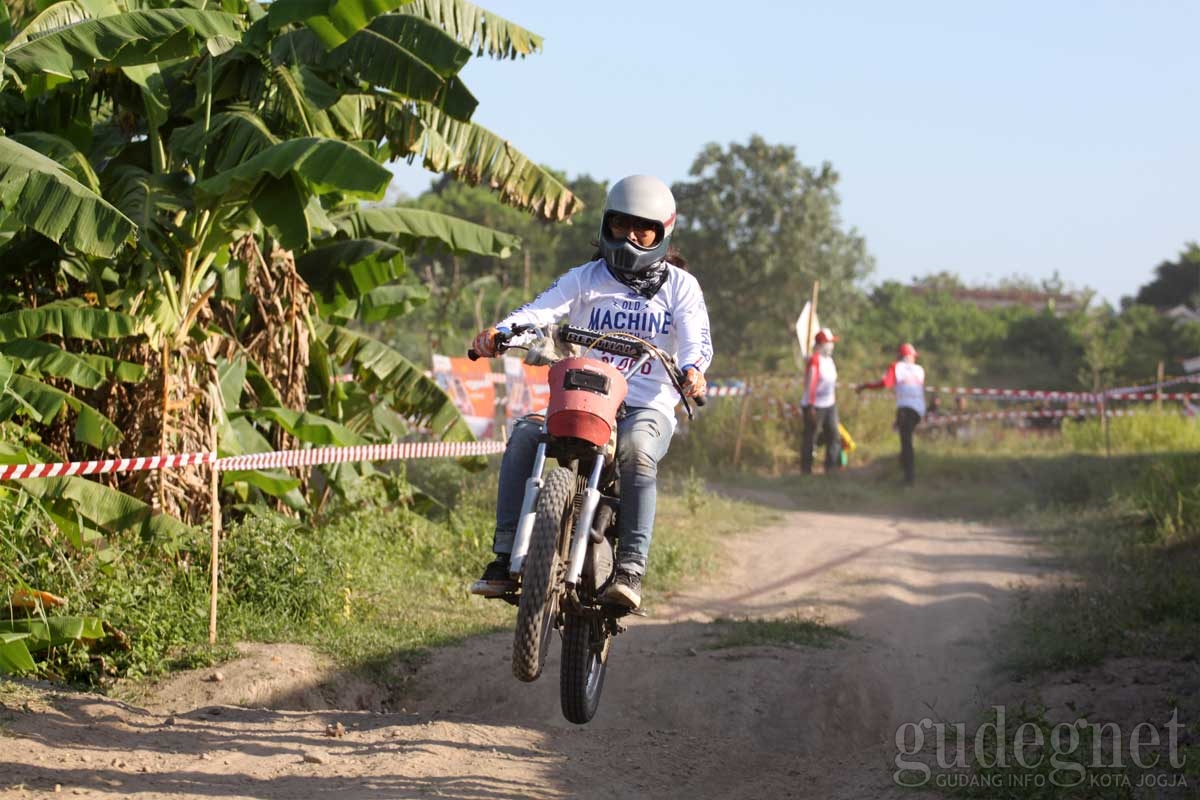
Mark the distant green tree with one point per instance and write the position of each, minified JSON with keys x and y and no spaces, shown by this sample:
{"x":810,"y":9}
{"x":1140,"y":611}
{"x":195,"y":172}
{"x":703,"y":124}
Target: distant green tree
{"x":955,"y":338}
{"x":469,"y":291}
{"x":1175,"y":282}
{"x":758,"y":227}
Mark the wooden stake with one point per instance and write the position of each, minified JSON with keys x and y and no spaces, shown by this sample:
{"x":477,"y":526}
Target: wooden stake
{"x":164,"y":421}
{"x":737,"y":445}
{"x":215,"y":511}
{"x":1158,"y":389}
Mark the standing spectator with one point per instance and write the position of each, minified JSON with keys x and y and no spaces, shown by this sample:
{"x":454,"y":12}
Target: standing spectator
{"x":820,"y":405}
{"x":907,"y":377}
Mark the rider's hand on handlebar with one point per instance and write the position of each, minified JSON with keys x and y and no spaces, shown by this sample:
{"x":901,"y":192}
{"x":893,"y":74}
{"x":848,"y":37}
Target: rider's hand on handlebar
{"x":485,"y":342}
{"x":694,"y":383}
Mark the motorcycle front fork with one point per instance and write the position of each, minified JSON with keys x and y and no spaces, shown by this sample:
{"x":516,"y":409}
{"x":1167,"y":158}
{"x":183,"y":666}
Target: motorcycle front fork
{"x":583,"y":522}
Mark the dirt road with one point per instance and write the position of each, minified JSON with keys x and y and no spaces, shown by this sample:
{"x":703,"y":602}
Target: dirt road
{"x":677,"y":719}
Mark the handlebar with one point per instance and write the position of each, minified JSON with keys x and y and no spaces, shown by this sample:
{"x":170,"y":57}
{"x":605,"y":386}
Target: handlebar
{"x":617,"y":344}
{"x":502,"y":340}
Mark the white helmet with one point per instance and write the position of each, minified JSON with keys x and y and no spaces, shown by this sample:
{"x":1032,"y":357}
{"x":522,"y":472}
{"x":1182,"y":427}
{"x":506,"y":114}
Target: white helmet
{"x":647,"y":198}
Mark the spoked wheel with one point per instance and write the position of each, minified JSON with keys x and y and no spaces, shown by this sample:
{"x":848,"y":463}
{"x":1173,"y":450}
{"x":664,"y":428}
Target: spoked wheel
{"x":585,"y":659}
{"x":541,"y":576}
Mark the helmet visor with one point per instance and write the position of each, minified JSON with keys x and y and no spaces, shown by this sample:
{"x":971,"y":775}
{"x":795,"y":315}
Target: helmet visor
{"x":641,"y":232}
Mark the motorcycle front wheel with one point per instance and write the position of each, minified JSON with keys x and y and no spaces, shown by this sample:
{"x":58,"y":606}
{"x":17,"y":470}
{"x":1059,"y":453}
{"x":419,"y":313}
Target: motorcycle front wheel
{"x":541,"y":576}
{"x":584,"y":662}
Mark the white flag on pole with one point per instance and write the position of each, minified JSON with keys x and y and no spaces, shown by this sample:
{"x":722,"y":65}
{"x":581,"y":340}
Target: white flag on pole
{"x":806,"y":330}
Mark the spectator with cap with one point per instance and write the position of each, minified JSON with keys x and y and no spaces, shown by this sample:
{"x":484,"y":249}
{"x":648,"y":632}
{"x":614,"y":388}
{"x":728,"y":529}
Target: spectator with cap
{"x":820,"y":405}
{"x":907,"y":378}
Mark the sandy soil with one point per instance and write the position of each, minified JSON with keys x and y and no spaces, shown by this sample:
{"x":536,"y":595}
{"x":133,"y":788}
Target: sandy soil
{"x":676,"y":719}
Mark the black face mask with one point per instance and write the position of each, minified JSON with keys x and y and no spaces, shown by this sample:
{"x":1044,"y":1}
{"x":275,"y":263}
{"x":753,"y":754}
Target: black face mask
{"x":647,"y":282}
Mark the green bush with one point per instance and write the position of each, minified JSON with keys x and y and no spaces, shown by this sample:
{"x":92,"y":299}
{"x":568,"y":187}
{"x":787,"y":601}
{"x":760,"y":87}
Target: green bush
{"x":1169,"y":495}
{"x":277,"y":566}
{"x":1149,"y":432}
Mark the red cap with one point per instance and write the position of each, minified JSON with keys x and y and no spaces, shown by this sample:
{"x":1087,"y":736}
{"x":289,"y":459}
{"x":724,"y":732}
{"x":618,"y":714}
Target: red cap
{"x":907,"y":349}
{"x":825,"y":335}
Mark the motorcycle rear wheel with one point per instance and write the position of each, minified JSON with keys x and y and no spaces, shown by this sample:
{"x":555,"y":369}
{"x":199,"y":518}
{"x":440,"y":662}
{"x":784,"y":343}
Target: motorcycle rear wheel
{"x":541,"y":576}
{"x":584,"y":663}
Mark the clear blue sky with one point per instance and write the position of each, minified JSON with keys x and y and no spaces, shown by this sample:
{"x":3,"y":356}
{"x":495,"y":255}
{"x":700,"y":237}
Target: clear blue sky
{"x":989,"y":140}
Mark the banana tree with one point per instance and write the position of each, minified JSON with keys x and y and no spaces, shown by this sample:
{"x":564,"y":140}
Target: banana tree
{"x":201,"y":166}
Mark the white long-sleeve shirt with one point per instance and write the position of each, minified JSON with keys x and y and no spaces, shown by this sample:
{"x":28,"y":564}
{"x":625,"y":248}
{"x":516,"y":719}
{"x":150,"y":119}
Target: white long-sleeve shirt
{"x":675,"y":319}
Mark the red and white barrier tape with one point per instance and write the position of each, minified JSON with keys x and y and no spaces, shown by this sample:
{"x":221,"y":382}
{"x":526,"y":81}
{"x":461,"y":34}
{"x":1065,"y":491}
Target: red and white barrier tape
{"x":1025,"y":394}
{"x":279,"y":458}
{"x":14,"y":471}
{"x":1149,"y":386}
{"x":366,"y":452}
{"x":1154,"y":396}
{"x":1084,"y":397}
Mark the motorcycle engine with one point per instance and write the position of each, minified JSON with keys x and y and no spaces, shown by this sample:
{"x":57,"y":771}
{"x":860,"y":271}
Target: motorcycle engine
{"x":598,"y":565}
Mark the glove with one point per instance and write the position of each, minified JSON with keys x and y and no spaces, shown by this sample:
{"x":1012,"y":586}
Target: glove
{"x":694,"y":382}
{"x":485,"y":343}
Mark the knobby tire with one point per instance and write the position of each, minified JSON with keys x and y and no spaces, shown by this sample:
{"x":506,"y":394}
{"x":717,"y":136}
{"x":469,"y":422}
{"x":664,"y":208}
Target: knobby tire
{"x":541,"y":575}
{"x":584,"y":662}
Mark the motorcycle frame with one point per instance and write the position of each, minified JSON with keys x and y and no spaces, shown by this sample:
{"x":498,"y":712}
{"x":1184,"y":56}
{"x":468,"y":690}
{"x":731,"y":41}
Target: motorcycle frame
{"x":581,"y":533}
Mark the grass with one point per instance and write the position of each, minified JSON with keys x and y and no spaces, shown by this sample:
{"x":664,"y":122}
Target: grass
{"x":371,"y":581}
{"x":689,"y":525}
{"x":394,"y":584}
{"x":790,"y":631}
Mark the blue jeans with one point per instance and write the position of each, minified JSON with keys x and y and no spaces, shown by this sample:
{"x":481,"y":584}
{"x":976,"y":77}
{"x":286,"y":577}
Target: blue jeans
{"x":643,"y":436}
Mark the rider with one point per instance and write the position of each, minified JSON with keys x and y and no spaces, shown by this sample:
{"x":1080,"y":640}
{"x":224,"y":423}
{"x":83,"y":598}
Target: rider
{"x":634,"y":285}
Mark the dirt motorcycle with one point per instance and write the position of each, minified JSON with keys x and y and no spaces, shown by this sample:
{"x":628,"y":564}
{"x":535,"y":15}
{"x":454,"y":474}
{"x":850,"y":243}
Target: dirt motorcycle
{"x":563,"y":553}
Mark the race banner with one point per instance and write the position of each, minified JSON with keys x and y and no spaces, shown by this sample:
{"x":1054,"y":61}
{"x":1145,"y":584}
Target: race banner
{"x":470,"y":385}
{"x":527,"y":388}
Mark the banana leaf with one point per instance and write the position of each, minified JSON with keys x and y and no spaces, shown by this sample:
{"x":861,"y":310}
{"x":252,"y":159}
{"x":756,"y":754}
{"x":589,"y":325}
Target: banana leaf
{"x":416,"y":228}
{"x":67,"y":321}
{"x":277,"y":483}
{"x":412,"y":57}
{"x":332,"y":21}
{"x":152,"y":201}
{"x":60,"y":15}
{"x":44,"y":632}
{"x":109,"y":509}
{"x":15,"y":657}
{"x":390,"y":302}
{"x":38,"y":192}
{"x":131,"y":38}
{"x":232,"y":137}
{"x":477,"y":28}
{"x":42,"y":402}
{"x":308,"y":427}
{"x":325,"y":165}
{"x":346,"y":271}
{"x":63,"y":151}
{"x":231,"y":378}
{"x":474,"y":154}
{"x":385,"y":370}
{"x":44,"y":360}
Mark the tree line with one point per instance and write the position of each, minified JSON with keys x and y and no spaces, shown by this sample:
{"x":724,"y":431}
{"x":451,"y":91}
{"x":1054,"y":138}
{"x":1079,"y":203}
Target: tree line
{"x":758,"y":227}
